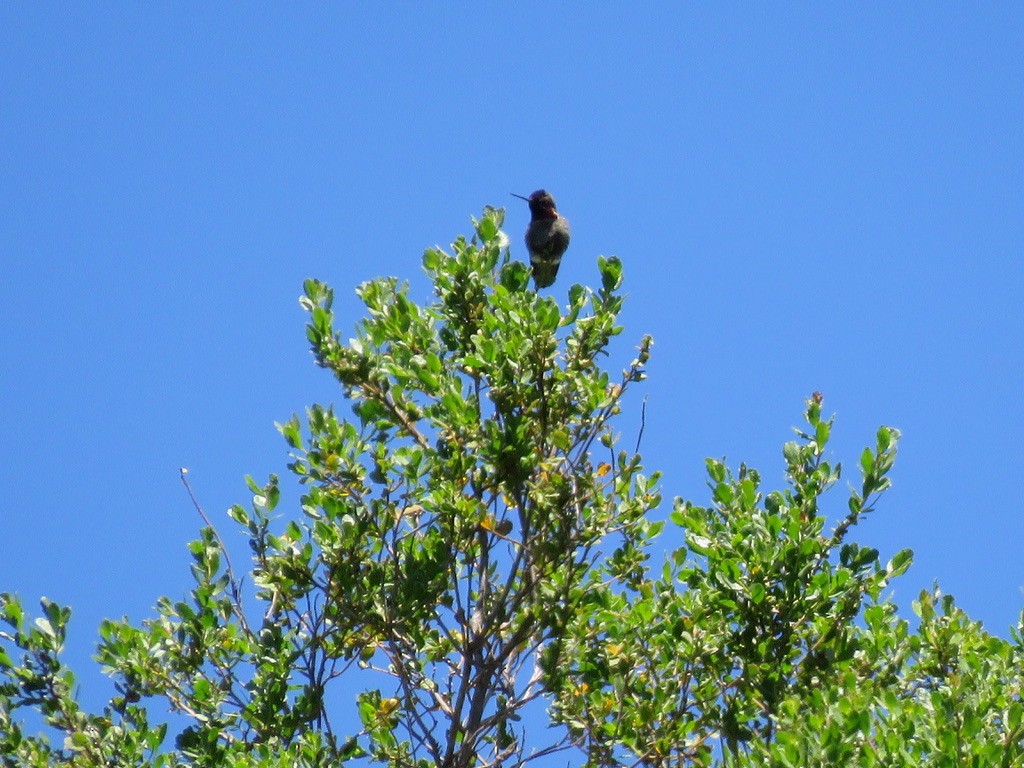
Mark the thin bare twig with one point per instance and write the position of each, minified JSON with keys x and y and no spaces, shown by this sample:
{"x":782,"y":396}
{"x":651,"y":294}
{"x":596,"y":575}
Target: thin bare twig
{"x":643,"y":423}
{"x":236,"y":591}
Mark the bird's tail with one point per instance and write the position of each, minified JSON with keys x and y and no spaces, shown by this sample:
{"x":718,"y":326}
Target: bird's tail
{"x":544,"y":271}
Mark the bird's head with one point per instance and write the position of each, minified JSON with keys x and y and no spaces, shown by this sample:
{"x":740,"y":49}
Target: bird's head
{"x":542,"y":204}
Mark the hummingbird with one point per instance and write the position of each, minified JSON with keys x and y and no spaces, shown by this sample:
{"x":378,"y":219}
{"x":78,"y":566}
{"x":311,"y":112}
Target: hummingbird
{"x":547,"y":237}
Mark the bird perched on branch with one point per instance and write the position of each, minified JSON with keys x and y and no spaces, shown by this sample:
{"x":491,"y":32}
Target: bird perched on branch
{"x":547,"y":237}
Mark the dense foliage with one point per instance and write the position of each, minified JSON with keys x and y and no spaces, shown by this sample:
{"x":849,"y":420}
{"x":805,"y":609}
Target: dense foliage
{"x":472,"y":550}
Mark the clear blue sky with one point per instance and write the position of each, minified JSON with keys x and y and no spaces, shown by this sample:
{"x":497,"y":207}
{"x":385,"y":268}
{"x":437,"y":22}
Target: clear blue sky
{"x":804,"y":199}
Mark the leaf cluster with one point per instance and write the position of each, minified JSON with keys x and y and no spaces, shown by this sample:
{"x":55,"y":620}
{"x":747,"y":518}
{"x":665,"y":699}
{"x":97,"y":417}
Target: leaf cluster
{"x":470,"y":543}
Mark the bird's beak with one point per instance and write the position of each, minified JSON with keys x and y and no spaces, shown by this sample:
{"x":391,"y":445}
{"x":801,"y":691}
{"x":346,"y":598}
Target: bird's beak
{"x":519,"y":196}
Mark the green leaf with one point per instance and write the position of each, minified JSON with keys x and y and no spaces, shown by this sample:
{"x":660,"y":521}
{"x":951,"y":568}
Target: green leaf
{"x":724,"y":494}
{"x":292,"y":431}
{"x":611,"y":273}
{"x":44,"y":626}
{"x":548,"y":314}
{"x":887,"y":438}
{"x":899,"y":563}
{"x":514,"y":277}
{"x":487,"y":229}
{"x":793,"y":453}
{"x":432,"y":258}
{"x":428,"y":379}
{"x":715,"y":469}
{"x":1014,"y":715}
{"x":699,"y":544}
{"x":13,"y":613}
{"x":238,"y":513}
{"x":821,"y":434}
{"x":867,"y":461}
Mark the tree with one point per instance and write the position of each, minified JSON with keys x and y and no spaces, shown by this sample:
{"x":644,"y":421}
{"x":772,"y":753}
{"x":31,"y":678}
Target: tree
{"x":471,"y":545}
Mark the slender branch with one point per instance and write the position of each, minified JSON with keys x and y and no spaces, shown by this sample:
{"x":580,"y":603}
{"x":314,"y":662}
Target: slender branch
{"x":643,"y":423}
{"x":388,"y":401}
{"x":236,"y":585}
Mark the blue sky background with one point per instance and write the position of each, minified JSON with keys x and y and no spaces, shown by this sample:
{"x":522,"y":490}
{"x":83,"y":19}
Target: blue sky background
{"x":804,"y":199}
